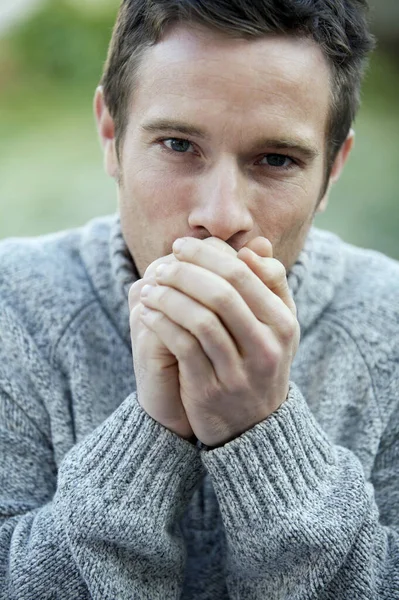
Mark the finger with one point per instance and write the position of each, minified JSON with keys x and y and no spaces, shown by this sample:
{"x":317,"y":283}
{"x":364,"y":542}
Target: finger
{"x":221,"y":298}
{"x":182,"y":345}
{"x":135,"y":291}
{"x":272,"y":273}
{"x":202,"y":323}
{"x":261,"y":246}
{"x":148,"y":279}
{"x":150,"y":271}
{"x":220,"y":245}
{"x":210,"y":282}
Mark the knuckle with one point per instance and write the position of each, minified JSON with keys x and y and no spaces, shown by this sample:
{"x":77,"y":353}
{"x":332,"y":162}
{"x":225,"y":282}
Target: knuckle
{"x":196,"y":251}
{"x":175,"y":268}
{"x":157,"y":317}
{"x":163,"y":295}
{"x":185,"y":346}
{"x":274,"y":272}
{"x":277,"y":270}
{"x":222,"y":299}
{"x":271,"y":357}
{"x":238,"y":385}
{"x":287,"y":329}
{"x":237,"y":272}
{"x":207,"y":325}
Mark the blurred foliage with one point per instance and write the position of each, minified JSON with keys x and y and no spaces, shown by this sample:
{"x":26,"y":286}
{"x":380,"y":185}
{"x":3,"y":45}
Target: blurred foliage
{"x":385,"y":20}
{"x":62,"y":42}
{"x":51,"y":174}
{"x":364,"y":207}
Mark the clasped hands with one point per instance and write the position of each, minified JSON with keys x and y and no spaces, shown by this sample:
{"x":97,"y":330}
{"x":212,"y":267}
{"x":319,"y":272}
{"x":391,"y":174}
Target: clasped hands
{"x":214,"y":333}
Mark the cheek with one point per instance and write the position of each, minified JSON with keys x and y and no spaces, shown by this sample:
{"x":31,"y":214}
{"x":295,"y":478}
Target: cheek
{"x":282,"y":208}
{"x":157,"y":194}
{"x":285,"y":217}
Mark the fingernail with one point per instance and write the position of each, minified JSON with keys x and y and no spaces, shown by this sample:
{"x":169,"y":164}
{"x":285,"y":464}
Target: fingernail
{"x":178,"y":245}
{"x":161,"y":270}
{"x":146,"y":290}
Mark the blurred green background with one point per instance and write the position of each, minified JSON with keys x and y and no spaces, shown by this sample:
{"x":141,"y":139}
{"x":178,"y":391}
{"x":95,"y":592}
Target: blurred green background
{"x":51,"y":175}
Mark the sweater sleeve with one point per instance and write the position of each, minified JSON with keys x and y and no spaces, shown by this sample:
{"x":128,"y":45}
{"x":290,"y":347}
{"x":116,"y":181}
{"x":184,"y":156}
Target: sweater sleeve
{"x":104,"y":526}
{"x":301,"y":520}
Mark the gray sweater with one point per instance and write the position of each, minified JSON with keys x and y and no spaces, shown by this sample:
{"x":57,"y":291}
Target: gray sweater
{"x":97,"y":500}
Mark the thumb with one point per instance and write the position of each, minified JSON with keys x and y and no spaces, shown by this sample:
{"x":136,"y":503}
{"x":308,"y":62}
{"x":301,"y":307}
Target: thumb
{"x":258,"y":255}
{"x":261,"y":246}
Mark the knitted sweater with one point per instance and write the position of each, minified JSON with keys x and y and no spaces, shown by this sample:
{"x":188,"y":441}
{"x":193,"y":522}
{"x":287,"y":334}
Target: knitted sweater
{"x":99,"y":501}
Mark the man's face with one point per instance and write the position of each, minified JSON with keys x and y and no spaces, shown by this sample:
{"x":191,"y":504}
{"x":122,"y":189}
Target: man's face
{"x":226,"y":138}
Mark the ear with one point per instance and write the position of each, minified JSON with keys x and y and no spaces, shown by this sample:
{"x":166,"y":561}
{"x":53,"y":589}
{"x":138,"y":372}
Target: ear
{"x":106,"y":131}
{"x":337,"y":168}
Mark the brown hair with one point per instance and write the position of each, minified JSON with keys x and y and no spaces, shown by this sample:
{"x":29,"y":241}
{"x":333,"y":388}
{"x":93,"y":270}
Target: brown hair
{"x":339,"y":27}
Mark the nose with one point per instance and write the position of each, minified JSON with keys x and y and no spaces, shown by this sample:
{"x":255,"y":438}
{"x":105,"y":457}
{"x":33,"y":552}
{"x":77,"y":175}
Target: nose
{"x":222,"y":203}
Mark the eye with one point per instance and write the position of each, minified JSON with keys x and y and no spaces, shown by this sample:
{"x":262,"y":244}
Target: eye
{"x":277,"y":160}
{"x":177,"y":145}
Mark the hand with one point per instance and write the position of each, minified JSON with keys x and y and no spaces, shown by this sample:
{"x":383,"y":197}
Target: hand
{"x":156,"y":368}
{"x":231,"y":324}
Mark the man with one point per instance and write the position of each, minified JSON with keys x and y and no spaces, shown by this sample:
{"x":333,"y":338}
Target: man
{"x":234,"y":461}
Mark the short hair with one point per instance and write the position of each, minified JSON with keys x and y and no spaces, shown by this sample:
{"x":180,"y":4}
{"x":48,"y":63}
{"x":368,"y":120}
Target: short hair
{"x":339,"y":28}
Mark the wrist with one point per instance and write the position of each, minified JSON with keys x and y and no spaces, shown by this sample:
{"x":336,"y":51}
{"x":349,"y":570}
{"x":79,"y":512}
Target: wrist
{"x":201,"y":446}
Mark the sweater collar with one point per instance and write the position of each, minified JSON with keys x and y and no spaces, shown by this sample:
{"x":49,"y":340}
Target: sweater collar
{"x":312,"y":280}
{"x":316,"y":275}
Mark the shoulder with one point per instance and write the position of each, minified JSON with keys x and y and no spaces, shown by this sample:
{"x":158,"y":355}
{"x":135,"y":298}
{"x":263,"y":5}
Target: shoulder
{"x":366,"y":307}
{"x":358,"y":276}
{"x":44,"y":281}
{"x":369,"y":286}
{"x":355,"y":285}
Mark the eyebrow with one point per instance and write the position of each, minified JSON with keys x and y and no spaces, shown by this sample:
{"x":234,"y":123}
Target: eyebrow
{"x":159,"y":125}
{"x":305,"y":148}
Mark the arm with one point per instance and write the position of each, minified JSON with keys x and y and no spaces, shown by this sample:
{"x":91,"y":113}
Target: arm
{"x":301,"y":520}
{"x":106,"y":528}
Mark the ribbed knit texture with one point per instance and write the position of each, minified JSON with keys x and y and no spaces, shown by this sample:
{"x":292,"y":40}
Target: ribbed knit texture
{"x":99,"y":501}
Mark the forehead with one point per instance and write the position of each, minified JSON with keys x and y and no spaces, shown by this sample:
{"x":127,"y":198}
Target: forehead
{"x":196,"y":73}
